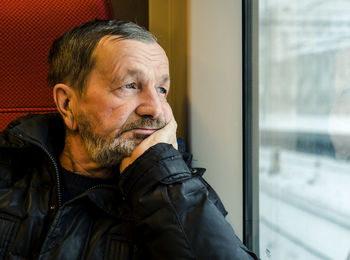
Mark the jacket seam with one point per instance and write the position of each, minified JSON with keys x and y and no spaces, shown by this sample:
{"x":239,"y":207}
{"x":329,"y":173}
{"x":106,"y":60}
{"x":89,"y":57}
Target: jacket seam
{"x":12,"y":233}
{"x":53,"y":229}
{"x":85,"y":250}
{"x":172,"y":207}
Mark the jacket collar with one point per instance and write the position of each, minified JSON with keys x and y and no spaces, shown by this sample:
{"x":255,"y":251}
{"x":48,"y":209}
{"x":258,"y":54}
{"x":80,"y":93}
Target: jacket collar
{"x":44,"y":130}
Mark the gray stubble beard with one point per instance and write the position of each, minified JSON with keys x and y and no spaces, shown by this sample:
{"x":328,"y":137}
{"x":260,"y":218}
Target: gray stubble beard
{"x":109,"y":153}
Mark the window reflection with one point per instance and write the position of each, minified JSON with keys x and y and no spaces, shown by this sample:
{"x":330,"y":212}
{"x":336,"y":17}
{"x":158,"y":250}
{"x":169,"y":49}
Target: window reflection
{"x":304,"y":124}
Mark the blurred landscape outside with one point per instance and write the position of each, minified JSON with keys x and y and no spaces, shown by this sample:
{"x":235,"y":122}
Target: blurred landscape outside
{"x":304,"y":129}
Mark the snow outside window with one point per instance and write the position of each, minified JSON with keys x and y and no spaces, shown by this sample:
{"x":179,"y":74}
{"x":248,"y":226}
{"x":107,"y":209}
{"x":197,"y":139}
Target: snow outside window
{"x":304,"y":129}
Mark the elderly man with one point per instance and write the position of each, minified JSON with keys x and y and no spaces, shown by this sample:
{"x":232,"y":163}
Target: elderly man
{"x":103,"y":179}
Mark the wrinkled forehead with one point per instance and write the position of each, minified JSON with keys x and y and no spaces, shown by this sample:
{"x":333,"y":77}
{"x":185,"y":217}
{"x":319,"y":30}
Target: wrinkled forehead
{"x":113,"y":49}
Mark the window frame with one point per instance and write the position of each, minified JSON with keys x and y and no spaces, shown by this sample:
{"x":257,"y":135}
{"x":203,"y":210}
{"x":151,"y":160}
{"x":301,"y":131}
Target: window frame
{"x":250,"y":115}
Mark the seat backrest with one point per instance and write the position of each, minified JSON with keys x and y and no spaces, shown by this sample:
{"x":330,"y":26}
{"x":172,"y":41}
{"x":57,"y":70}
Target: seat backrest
{"x":27,"y":30}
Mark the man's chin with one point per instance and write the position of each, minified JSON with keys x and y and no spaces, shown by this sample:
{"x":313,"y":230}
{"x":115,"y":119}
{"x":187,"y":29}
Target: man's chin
{"x":123,"y":147}
{"x":139,"y":137}
{"x":134,"y":140}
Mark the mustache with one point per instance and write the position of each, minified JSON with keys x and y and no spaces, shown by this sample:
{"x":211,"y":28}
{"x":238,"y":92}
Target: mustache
{"x":143,"y":123}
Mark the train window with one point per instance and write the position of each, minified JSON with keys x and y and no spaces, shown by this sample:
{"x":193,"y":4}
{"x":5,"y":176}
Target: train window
{"x":303,"y":129}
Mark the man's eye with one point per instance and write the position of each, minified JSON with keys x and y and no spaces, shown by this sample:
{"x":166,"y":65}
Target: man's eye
{"x":130,"y":86}
{"x":162,"y":91}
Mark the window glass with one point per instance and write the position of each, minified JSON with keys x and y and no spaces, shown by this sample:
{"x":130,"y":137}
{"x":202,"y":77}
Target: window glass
{"x":304,"y":129}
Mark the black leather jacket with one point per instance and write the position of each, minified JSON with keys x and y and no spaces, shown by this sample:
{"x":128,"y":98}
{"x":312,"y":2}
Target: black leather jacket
{"x":160,"y":209}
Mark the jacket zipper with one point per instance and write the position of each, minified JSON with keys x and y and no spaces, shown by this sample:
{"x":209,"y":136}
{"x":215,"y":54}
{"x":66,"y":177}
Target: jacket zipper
{"x":59,"y":196}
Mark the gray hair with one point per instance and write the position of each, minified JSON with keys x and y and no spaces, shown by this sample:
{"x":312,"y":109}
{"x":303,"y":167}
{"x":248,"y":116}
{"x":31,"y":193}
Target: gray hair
{"x":70,"y":56}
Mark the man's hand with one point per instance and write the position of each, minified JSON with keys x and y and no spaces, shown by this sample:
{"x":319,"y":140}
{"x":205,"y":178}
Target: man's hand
{"x":165,"y":135}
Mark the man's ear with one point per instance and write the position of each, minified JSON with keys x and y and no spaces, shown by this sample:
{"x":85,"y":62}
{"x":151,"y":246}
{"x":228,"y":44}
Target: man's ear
{"x":64,"y":98}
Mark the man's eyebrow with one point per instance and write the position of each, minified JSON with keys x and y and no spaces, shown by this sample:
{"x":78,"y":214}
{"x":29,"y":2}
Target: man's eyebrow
{"x":138,"y":73}
{"x":128,"y":73}
{"x":134,"y":73}
{"x":165,"y":79}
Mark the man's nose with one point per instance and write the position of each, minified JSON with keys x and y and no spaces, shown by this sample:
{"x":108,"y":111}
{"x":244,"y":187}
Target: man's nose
{"x":150,"y":104}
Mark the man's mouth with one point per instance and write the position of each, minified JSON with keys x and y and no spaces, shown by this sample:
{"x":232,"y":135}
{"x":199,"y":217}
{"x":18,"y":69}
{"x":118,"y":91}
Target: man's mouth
{"x":143,"y":131}
{"x":142,"y":127}
{"x":140,"y":131}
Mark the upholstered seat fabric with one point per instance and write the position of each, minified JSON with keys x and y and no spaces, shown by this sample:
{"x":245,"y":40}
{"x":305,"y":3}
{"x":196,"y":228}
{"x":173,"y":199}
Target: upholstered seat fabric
{"x":27,"y":29}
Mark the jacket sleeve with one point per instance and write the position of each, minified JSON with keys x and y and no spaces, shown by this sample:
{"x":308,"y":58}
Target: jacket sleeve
{"x":175,"y":211}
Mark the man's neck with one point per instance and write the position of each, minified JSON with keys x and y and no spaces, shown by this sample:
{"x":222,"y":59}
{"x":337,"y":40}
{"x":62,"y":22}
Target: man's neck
{"x":75,"y":158}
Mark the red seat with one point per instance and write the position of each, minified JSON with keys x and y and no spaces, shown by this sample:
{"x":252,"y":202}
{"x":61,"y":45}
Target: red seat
{"x":27,"y":30}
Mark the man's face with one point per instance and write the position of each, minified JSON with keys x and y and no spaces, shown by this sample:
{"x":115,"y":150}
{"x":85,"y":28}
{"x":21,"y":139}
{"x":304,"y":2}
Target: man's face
{"x":125,"y":99}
